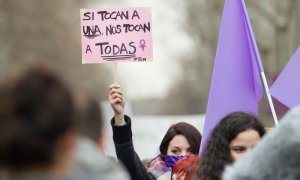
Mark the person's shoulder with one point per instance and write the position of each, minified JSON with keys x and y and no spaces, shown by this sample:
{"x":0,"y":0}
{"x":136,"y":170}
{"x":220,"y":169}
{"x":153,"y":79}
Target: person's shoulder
{"x":97,"y":176}
{"x":90,"y":162}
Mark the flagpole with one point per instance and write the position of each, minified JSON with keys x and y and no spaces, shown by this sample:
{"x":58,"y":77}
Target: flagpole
{"x":260,"y":66}
{"x":269,"y":97}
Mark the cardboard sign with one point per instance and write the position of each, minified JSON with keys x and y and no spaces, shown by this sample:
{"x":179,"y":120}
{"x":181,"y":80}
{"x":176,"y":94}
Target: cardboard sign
{"x":116,"y":35}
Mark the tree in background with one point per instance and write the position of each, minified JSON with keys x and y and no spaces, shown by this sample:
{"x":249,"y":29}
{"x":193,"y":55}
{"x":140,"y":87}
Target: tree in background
{"x":275,"y":26}
{"x":48,"y":32}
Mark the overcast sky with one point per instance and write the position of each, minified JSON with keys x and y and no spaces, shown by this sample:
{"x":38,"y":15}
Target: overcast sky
{"x":170,"y":41}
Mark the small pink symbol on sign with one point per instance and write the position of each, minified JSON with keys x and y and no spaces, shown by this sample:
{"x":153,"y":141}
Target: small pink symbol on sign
{"x":142,"y":44}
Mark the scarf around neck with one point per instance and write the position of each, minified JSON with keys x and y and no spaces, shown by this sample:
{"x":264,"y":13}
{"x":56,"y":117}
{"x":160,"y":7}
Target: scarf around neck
{"x":159,"y":169}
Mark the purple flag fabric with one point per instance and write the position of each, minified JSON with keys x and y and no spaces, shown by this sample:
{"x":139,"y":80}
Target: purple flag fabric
{"x":286,"y":88}
{"x":235,"y":84}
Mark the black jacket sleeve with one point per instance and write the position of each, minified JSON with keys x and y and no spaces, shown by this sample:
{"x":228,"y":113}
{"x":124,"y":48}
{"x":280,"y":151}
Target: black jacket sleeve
{"x":122,"y":137}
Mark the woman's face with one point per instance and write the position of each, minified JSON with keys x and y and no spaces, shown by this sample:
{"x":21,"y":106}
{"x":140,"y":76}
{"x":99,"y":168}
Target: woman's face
{"x":243,"y":142}
{"x":179,"y":146}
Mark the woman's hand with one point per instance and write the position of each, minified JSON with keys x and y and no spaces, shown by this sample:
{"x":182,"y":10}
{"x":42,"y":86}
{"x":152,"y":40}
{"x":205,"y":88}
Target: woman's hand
{"x":117,"y":102}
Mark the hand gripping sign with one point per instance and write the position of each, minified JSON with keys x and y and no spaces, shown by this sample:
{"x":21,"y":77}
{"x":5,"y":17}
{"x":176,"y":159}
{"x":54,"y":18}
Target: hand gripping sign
{"x":116,"y":35}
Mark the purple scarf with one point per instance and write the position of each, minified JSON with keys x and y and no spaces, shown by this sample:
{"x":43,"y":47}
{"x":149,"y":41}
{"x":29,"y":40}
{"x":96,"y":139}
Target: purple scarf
{"x":171,"y":160}
{"x":163,"y":165}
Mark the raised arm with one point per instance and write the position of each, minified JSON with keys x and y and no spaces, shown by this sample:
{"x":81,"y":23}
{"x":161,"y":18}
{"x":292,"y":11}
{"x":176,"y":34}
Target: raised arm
{"x":122,"y":136}
{"x":117,"y":101}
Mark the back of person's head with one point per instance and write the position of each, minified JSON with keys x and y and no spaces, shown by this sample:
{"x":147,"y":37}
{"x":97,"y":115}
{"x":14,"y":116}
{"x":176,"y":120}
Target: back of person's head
{"x":89,"y":116}
{"x":192,"y":135}
{"x":186,"y":168}
{"x":217,"y":152}
{"x":36,"y":110}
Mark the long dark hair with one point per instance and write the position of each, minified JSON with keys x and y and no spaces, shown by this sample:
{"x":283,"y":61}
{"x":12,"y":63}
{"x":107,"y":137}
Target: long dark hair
{"x":217,"y":152}
{"x":192,"y":135}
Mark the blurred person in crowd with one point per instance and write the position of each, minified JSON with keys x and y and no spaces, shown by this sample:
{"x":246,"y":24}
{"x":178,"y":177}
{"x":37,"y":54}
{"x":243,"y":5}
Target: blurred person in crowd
{"x":89,"y":153}
{"x":185,"y":168}
{"x":181,"y":140}
{"x":233,"y":136}
{"x":37,"y":127}
{"x":276,"y":156}
{"x":89,"y":117}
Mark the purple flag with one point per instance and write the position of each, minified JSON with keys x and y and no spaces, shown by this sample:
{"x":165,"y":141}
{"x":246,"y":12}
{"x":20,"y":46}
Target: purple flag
{"x":235,"y":84}
{"x":286,"y":88}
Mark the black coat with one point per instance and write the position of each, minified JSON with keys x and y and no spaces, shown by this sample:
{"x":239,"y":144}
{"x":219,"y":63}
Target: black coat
{"x":122,"y":136}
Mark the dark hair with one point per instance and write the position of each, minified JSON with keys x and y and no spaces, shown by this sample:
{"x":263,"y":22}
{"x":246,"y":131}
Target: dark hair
{"x":35,"y":111}
{"x":89,"y":116}
{"x":217,"y":152}
{"x":192,"y":135}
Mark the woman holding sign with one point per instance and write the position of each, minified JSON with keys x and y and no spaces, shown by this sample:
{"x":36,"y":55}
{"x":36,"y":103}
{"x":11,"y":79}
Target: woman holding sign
{"x":181,"y":140}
